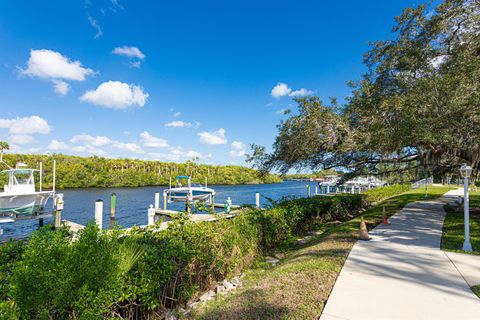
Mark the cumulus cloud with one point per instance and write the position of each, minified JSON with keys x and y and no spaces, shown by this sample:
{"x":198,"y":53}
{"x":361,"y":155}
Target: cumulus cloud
{"x":20,"y":139}
{"x":213,"y":137}
{"x":130,"y":52}
{"x":56,"y":145}
{"x":182,"y":124}
{"x":283,"y":90}
{"x":96,"y":141}
{"x":177,"y":154}
{"x":127,"y":146}
{"x":237,"y":149}
{"x":61,"y":87}
{"x":48,"y":64}
{"x":152,"y":142}
{"x":21,"y":129}
{"x":301,"y":93}
{"x":280,"y":90}
{"x":116,"y":95}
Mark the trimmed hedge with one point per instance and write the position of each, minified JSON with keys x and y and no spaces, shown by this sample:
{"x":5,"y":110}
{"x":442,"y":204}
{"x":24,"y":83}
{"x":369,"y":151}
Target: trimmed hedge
{"x":108,"y":274}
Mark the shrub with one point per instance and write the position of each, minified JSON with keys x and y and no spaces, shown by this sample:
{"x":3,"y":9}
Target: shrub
{"x":137,"y":274}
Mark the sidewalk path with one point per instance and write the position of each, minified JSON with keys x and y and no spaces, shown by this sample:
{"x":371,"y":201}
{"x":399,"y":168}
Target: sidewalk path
{"x":402,"y":274}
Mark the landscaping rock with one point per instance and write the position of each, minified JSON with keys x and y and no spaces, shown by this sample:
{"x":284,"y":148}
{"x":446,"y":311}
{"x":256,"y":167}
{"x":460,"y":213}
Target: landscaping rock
{"x":207,"y":296}
{"x":221,"y":289}
{"x":236,"y":281}
{"x":170,"y":315}
{"x":271,"y":260}
{"x":227,"y":285}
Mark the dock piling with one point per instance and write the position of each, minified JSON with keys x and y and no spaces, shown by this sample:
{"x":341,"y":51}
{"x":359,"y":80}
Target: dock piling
{"x":58,"y":210}
{"x":151,"y":215}
{"x":113,"y":206}
{"x":157,"y":200}
{"x":99,"y":213}
{"x":257,"y":200}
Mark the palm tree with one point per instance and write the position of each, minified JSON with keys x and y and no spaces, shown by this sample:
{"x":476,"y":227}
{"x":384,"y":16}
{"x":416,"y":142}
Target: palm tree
{"x":3,"y":146}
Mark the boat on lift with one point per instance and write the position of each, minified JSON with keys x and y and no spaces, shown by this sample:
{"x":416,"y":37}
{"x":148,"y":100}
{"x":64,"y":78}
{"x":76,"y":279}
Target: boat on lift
{"x":19,"y":196}
{"x":190,"y":192}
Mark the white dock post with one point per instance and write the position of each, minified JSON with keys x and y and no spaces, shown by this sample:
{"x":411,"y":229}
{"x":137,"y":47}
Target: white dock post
{"x":328,"y":189}
{"x":99,"y":213}
{"x":316,"y":190}
{"x":257,"y":200}
{"x":157,"y":200}
{"x":164,"y":200}
{"x":353,"y":189}
{"x":151,"y":215}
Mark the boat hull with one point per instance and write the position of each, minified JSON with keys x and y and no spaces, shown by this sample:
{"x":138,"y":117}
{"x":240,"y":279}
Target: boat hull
{"x":181,"y":194}
{"x":23,"y":204}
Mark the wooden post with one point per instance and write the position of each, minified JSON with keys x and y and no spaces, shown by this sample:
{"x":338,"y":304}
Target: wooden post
{"x":113,"y":206}
{"x":316,"y":190}
{"x":328,"y":189}
{"x":157,"y":200}
{"x":257,"y":200}
{"x":151,"y":215}
{"x":212,"y":200}
{"x":99,"y":213}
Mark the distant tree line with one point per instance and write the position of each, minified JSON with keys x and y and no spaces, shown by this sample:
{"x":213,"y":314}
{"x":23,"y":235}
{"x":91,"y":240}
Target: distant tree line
{"x":84,"y":172}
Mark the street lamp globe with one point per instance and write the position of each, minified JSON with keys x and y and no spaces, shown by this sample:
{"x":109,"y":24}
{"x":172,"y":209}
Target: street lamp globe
{"x":465,"y":171}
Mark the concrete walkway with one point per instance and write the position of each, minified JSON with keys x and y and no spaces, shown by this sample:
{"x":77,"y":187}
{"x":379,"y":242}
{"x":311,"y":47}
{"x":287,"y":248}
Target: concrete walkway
{"x":402,"y":274}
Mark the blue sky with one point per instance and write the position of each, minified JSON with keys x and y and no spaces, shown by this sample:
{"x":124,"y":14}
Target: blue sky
{"x":172,"y":80}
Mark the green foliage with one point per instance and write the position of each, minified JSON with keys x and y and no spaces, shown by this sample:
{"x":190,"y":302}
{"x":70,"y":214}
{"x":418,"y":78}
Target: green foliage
{"x":379,"y":194}
{"x":406,"y":109}
{"x":139,"y":273}
{"x":81,"y":172}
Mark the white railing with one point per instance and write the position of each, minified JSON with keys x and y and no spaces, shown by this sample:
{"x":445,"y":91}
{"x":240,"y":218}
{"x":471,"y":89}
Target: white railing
{"x":423,"y":182}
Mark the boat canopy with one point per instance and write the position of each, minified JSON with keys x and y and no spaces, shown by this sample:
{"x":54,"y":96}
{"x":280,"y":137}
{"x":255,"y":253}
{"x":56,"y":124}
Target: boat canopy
{"x":18,"y":171}
{"x":182,"y":177}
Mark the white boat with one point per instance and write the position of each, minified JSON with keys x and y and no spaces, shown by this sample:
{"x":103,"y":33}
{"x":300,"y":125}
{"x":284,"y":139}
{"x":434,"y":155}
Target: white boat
{"x":190,"y":192}
{"x":330,"y":181}
{"x":19,"y":196}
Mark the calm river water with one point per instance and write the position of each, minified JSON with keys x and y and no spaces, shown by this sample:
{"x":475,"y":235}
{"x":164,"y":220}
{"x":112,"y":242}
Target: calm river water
{"x":132,"y":203}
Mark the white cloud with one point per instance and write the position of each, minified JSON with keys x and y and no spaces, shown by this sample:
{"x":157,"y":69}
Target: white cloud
{"x":116,"y":95}
{"x":48,"y":64}
{"x":131,"y":52}
{"x":152,"y":142}
{"x":130,"y":147}
{"x":135,"y":64}
{"x":283,"y":90}
{"x":26,"y":125}
{"x":280,"y":90}
{"x":177,"y":114}
{"x":96,"y":141}
{"x":438,"y":61}
{"x":179,"y":124}
{"x":301,"y":93}
{"x":177,"y":154}
{"x":237,"y":149}
{"x":96,"y":26}
{"x":214,"y":137}
{"x":20,"y":138}
{"x":58,"y":145}
{"x":61,"y":87}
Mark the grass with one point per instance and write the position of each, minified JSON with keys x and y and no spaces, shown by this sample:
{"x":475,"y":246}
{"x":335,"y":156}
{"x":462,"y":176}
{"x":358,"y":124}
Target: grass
{"x":453,"y":227}
{"x":476,"y":290}
{"x":299,"y":285}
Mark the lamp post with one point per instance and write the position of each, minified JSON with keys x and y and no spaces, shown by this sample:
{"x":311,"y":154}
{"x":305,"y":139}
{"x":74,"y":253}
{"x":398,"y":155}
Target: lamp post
{"x":465,"y":172}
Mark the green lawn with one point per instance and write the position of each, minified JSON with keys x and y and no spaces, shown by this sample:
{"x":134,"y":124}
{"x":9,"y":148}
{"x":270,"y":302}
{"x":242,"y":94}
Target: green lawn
{"x":453,"y":227}
{"x":299,"y":285}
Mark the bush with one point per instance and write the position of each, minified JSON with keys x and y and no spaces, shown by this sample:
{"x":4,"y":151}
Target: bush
{"x":108,"y":274}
